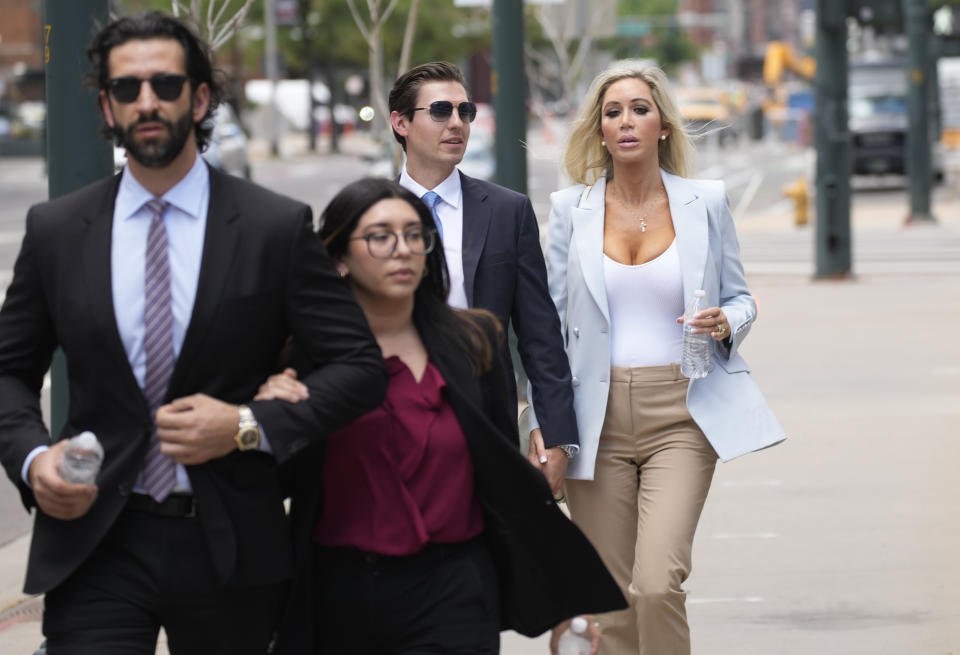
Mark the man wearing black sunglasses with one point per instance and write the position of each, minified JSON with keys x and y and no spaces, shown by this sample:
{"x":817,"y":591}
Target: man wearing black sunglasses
{"x":171,"y":289}
{"x":492,"y":245}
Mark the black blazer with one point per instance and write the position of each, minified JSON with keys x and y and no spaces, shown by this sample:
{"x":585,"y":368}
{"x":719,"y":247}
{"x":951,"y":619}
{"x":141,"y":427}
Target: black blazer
{"x":264,"y":275}
{"x":504,"y":272}
{"x":547,"y":569}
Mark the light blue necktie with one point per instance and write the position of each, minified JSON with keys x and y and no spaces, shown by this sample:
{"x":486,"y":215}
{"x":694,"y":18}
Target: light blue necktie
{"x":432,"y":199}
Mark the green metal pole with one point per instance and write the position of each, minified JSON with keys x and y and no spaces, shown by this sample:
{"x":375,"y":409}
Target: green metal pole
{"x":509,"y":94}
{"x":918,"y":135}
{"x":833,"y":142}
{"x":76,"y":152}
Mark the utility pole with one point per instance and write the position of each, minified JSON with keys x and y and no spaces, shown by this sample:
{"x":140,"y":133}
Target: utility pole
{"x":509,"y":94}
{"x":270,"y":25}
{"x":833,"y":243}
{"x":77,"y":154}
{"x":919,"y":35}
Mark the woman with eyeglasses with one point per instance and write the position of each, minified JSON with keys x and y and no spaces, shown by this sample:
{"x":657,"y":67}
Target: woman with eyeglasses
{"x":420,"y":528}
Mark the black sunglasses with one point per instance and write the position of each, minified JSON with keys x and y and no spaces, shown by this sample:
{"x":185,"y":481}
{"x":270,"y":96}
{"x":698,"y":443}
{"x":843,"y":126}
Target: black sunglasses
{"x":166,"y":86}
{"x":441,"y":110}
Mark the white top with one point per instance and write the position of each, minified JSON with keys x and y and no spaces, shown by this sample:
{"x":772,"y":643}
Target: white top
{"x":644,"y":302}
{"x":450,"y":213}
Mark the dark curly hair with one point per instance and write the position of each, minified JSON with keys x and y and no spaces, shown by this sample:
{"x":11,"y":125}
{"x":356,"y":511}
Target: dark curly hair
{"x":462,"y":329}
{"x":158,"y":25}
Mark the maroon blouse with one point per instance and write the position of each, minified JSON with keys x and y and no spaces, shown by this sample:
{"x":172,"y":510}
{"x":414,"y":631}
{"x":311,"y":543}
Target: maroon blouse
{"x":401,"y":475}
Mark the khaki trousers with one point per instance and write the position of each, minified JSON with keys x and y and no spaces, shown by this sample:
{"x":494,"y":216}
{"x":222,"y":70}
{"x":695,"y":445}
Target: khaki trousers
{"x":653,"y":471}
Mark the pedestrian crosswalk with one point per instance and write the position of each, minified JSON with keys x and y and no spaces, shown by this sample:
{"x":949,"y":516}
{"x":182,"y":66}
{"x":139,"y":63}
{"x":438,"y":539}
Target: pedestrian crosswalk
{"x":915,"y":250}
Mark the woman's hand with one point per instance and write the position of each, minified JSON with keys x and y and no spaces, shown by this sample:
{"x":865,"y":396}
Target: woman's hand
{"x":283,"y":386}
{"x":593,"y":634}
{"x":711,"y":320}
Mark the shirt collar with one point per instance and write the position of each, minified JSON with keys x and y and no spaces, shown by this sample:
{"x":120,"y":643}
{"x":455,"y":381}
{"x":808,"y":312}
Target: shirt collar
{"x":186,"y":195}
{"x":449,"y":190}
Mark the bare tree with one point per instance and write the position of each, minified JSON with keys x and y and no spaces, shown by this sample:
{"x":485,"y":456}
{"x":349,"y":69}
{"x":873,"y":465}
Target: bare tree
{"x":571,"y":27}
{"x":408,"y":36}
{"x":372,"y":32}
{"x":213,"y":25}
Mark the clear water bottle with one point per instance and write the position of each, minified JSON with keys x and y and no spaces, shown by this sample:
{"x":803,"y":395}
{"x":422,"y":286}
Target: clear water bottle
{"x":696,"y":360}
{"x":81,"y":459}
{"x":574,"y":640}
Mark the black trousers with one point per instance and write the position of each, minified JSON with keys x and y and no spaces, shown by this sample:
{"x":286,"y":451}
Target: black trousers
{"x":152,"y":571}
{"x":442,"y":600}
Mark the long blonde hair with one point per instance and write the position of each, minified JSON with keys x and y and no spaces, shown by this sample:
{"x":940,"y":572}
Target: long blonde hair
{"x":586,"y":159}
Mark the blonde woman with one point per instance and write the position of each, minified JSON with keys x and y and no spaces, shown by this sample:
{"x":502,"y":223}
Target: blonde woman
{"x":627,"y":246}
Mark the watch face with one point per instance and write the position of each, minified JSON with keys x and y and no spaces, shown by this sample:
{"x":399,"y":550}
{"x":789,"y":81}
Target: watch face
{"x":248,"y":438}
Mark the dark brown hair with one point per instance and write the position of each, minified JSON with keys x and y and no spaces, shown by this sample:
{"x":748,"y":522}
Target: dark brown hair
{"x":158,"y":25}
{"x":463,"y":329}
{"x":403,"y":95}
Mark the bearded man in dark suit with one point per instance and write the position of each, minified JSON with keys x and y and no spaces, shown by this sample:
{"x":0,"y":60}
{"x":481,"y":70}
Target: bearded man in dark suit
{"x":172,"y":289}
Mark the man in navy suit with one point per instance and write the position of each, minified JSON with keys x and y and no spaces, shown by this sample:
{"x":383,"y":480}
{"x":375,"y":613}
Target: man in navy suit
{"x":492,"y":244}
{"x":171,"y":289}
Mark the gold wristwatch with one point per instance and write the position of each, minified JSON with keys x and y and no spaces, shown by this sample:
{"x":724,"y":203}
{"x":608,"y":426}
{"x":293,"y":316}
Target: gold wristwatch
{"x":248,"y":436}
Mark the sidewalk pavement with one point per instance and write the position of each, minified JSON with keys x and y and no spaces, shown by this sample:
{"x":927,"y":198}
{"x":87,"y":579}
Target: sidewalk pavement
{"x":844,"y":539}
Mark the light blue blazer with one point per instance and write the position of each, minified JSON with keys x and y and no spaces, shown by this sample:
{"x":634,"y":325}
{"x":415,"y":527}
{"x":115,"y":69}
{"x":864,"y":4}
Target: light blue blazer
{"x":727,"y":404}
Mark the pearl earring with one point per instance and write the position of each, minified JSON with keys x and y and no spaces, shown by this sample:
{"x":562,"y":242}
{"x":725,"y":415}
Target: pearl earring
{"x":663,"y":137}
{"x":603,"y":144}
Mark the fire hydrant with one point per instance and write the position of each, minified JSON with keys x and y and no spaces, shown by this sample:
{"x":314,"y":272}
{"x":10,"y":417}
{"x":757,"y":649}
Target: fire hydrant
{"x":797,"y":192}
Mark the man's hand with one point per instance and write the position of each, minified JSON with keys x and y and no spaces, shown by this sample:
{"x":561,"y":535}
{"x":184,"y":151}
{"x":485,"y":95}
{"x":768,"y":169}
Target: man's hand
{"x":197,"y":428}
{"x":55,"y":496}
{"x":552,"y":462}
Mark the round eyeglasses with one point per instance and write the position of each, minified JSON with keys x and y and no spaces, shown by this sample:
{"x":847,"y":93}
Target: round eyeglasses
{"x":381,"y":244}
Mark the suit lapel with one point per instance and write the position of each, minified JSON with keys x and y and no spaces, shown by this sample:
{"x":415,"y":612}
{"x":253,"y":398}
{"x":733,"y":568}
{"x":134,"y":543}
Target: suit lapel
{"x":95,"y":260}
{"x":689,"y":214}
{"x":220,"y":242}
{"x":477,"y":214}
{"x":587,"y":222}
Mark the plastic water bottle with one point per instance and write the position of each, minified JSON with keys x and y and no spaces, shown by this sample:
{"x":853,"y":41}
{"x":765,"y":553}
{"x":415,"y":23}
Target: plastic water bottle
{"x":696,"y":360}
{"x":574,"y":640}
{"x":81,"y":459}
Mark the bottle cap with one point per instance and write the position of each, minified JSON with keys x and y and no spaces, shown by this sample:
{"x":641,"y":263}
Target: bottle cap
{"x":578,"y":625}
{"x":87,"y":441}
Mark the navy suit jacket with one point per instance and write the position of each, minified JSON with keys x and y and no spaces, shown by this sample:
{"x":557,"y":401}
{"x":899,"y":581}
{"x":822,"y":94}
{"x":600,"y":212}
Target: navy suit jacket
{"x":504,"y":273}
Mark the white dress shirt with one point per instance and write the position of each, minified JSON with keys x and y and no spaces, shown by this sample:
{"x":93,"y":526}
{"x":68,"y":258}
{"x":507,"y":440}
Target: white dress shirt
{"x":185,"y":219}
{"x":450,"y":213}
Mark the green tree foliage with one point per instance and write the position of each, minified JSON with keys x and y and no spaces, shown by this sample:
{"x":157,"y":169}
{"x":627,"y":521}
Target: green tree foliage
{"x":666,"y":42}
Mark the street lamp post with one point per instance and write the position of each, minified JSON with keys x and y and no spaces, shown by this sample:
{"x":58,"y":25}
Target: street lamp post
{"x":76,"y":152}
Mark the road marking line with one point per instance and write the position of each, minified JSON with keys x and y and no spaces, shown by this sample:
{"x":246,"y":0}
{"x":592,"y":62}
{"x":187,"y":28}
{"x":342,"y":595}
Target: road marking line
{"x":727,"y":599}
{"x":748,"y":195}
{"x":752,"y":483}
{"x":746,"y":535}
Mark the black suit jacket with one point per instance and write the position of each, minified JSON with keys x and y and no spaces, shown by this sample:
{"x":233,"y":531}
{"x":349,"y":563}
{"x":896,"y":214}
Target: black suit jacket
{"x":264,"y":275}
{"x":504,"y":272}
{"x":547,"y":569}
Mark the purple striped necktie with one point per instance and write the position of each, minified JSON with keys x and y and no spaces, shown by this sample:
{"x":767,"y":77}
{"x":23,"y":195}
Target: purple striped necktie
{"x":159,"y":472}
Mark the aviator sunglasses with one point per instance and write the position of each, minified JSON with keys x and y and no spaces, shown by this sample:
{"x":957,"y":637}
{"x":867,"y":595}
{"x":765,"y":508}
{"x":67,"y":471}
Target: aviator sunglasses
{"x":166,"y":86}
{"x":441,"y":110}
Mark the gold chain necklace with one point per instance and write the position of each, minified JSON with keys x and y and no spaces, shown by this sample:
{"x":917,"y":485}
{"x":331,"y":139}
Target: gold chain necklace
{"x":629,"y":209}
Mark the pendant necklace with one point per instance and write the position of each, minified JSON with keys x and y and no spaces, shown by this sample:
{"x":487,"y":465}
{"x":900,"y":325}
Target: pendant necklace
{"x":643,"y":219}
